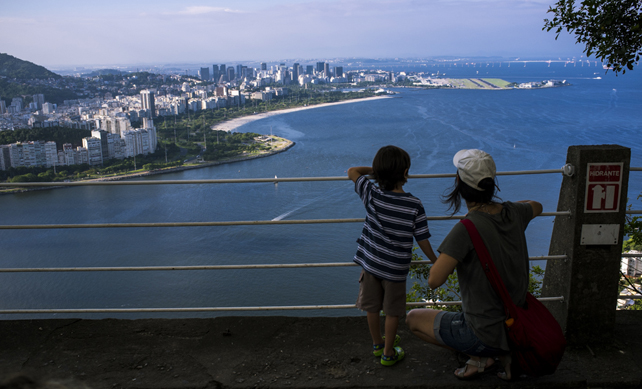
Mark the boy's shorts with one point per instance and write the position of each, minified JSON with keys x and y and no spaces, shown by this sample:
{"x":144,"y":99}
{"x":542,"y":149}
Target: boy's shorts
{"x":376,"y":294}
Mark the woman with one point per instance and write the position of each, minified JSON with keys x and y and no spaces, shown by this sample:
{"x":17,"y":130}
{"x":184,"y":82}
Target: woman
{"x":478,"y":330}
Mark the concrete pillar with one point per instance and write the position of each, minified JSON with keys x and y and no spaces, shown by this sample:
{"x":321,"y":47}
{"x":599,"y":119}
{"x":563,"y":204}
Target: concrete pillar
{"x":591,"y":237}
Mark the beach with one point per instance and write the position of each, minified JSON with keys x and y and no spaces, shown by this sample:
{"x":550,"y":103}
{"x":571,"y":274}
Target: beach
{"x":233,"y":124}
{"x":230,"y":125}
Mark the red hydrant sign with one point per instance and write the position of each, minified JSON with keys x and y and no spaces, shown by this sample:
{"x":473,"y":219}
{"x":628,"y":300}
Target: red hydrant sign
{"x":603,"y":186}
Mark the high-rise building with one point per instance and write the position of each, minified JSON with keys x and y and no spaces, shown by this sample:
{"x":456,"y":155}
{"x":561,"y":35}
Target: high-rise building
{"x":223,"y":72}
{"x":94,"y":149}
{"x":338,"y":71}
{"x":147,"y":102}
{"x":47,"y":108}
{"x":309,"y":69}
{"x":230,"y":74}
{"x":263,"y":66}
{"x":70,"y":156}
{"x":5,"y":157}
{"x":326,"y":69}
{"x":51,"y":154}
{"x":295,"y":72}
{"x":215,"y":73}
{"x":320,"y":66}
{"x":239,"y":70}
{"x":205,"y":74}
{"x":104,"y":143}
{"x":38,"y":100}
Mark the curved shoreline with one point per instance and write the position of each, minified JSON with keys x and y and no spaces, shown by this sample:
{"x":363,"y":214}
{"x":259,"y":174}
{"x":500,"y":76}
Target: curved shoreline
{"x":235,"y":123}
{"x":227,"y":126}
{"x":289,"y":144}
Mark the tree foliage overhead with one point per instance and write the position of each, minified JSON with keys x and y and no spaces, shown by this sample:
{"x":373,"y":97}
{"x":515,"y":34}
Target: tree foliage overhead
{"x":13,"y":67}
{"x":610,"y":29}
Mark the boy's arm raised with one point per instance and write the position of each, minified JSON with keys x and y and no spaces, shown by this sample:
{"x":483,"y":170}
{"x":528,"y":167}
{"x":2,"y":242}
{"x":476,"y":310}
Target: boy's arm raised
{"x":358,"y":171}
{"x":426,"y":247}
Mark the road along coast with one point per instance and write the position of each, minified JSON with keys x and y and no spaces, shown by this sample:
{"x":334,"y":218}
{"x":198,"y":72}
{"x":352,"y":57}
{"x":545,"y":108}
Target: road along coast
{"x":233,"y":124}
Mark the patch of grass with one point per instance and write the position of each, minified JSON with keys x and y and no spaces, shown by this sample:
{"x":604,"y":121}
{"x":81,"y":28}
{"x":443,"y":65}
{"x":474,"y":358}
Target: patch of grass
{"x":497,"y":82}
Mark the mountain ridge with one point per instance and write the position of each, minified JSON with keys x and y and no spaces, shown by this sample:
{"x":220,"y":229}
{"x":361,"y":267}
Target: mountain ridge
{"x":12,"y":67}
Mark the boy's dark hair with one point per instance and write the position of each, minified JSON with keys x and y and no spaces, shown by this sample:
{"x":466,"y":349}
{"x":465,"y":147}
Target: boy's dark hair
{"x":389,"y":167}
{"x":462,"y":190}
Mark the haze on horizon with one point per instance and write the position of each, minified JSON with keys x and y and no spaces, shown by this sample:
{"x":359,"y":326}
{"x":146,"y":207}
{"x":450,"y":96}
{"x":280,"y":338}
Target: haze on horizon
{"x":81,"y":33}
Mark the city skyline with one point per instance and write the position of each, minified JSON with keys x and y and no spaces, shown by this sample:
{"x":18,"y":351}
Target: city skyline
{"x":79,"y":33}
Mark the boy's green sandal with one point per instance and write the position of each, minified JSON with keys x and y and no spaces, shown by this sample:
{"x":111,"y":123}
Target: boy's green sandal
{"x":378,"y":348}
{"x":389,"y":361}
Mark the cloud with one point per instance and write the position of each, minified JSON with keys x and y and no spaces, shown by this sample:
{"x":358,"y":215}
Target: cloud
{"x":203,"y":10}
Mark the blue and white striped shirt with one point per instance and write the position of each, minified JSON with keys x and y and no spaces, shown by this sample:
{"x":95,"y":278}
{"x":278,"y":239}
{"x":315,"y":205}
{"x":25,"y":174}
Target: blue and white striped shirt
{"x":392,"y":220}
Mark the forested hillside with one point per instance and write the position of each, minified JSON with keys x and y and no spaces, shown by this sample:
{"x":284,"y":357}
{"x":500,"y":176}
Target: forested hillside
{"x":12,"y":67}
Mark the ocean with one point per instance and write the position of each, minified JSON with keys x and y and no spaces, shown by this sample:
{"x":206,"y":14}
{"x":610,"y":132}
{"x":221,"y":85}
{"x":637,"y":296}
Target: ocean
{"x":521,"y":129}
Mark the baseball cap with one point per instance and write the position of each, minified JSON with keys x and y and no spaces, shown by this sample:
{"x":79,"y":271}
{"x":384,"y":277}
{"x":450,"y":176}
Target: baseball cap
{"x":473,"y":166}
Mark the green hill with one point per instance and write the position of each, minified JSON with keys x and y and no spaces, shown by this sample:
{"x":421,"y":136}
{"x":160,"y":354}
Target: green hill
{"x":13,"y":67}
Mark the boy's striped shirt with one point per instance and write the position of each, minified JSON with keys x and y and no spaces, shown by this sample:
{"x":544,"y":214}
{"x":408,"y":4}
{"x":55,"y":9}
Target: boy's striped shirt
{"x":392,"y":220}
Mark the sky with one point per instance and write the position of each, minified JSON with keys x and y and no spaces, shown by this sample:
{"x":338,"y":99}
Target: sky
{"x":117,"y":32}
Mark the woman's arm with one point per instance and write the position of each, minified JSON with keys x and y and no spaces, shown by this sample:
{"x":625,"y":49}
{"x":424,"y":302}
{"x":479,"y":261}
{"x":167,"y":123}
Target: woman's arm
{"x":440,"y":271}
{"x":537,"y":207}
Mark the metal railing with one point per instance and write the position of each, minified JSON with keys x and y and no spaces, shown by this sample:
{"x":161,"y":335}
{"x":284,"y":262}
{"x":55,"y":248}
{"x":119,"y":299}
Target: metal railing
{"x":238,"y":223}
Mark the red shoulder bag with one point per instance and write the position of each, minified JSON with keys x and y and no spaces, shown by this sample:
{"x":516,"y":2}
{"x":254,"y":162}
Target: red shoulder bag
{"x":536,"y":339}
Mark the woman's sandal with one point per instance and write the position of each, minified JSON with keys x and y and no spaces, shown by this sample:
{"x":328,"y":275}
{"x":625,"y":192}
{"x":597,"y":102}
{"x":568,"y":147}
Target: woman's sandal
{"x":505,"y":361}
{"x":481,"y":369}
{"x":378,"y":348}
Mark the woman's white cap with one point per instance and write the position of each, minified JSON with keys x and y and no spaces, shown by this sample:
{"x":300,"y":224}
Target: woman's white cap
{"x":473,"y":166}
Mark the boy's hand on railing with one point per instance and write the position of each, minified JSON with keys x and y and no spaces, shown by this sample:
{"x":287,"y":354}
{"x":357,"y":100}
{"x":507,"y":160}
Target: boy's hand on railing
{"x":358,"y":171}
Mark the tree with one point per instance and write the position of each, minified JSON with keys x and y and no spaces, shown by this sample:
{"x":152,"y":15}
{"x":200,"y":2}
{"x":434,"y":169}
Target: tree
{"x":610,"y":29}
{"x":449,"y":291}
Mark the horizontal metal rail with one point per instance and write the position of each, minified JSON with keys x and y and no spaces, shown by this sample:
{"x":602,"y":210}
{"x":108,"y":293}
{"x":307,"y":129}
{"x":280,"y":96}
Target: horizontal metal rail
{"x":123,"y":181}
{"x":223,"y":309}
{"x":631,"y":297}
{"x":631,"y":255}
{"x":218,"y":224}
{"x":220,"y":267}
{"x":634,"y":212}
{"x":108,"y":182}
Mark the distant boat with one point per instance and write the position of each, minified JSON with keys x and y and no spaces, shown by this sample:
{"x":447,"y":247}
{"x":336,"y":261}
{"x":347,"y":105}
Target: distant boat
{"x":514,"y":146}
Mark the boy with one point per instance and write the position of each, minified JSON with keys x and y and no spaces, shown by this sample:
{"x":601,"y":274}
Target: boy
{"x":384,"y":251}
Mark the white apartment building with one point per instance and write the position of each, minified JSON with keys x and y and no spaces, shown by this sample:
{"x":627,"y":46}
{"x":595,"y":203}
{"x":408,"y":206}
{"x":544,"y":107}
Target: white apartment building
{"x":632,"y":266}
{"x":115,"y":124}
{"x":51,"y":154}
{"x":81,"y":155}
{"x":15,"y":154}
{"x":94,"y":150}
{"x":48,"y":108}
{"x":69,"y":156}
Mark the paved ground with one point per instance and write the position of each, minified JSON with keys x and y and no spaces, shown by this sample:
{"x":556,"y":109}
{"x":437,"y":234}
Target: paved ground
{"x":269,"y":352}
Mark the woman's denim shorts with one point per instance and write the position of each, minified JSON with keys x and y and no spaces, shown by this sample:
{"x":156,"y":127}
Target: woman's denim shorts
{"x":452,"y":330}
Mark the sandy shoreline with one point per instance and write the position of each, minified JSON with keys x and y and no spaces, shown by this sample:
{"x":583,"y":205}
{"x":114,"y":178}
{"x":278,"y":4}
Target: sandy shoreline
{"x":233,"y":124}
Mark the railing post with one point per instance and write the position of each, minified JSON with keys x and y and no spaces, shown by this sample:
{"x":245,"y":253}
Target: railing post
{"x":596,"y":195}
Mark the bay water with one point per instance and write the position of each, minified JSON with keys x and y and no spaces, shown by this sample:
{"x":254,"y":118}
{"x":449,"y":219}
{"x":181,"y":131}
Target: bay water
{"x":521,"y":129}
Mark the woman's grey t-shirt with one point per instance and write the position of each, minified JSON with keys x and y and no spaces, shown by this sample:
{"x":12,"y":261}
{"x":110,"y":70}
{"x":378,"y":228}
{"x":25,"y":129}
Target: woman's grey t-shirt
{"x":503,"y":235}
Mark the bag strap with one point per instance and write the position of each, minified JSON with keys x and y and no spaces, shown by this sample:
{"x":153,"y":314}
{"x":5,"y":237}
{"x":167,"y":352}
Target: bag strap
{"x":489,"y":266}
